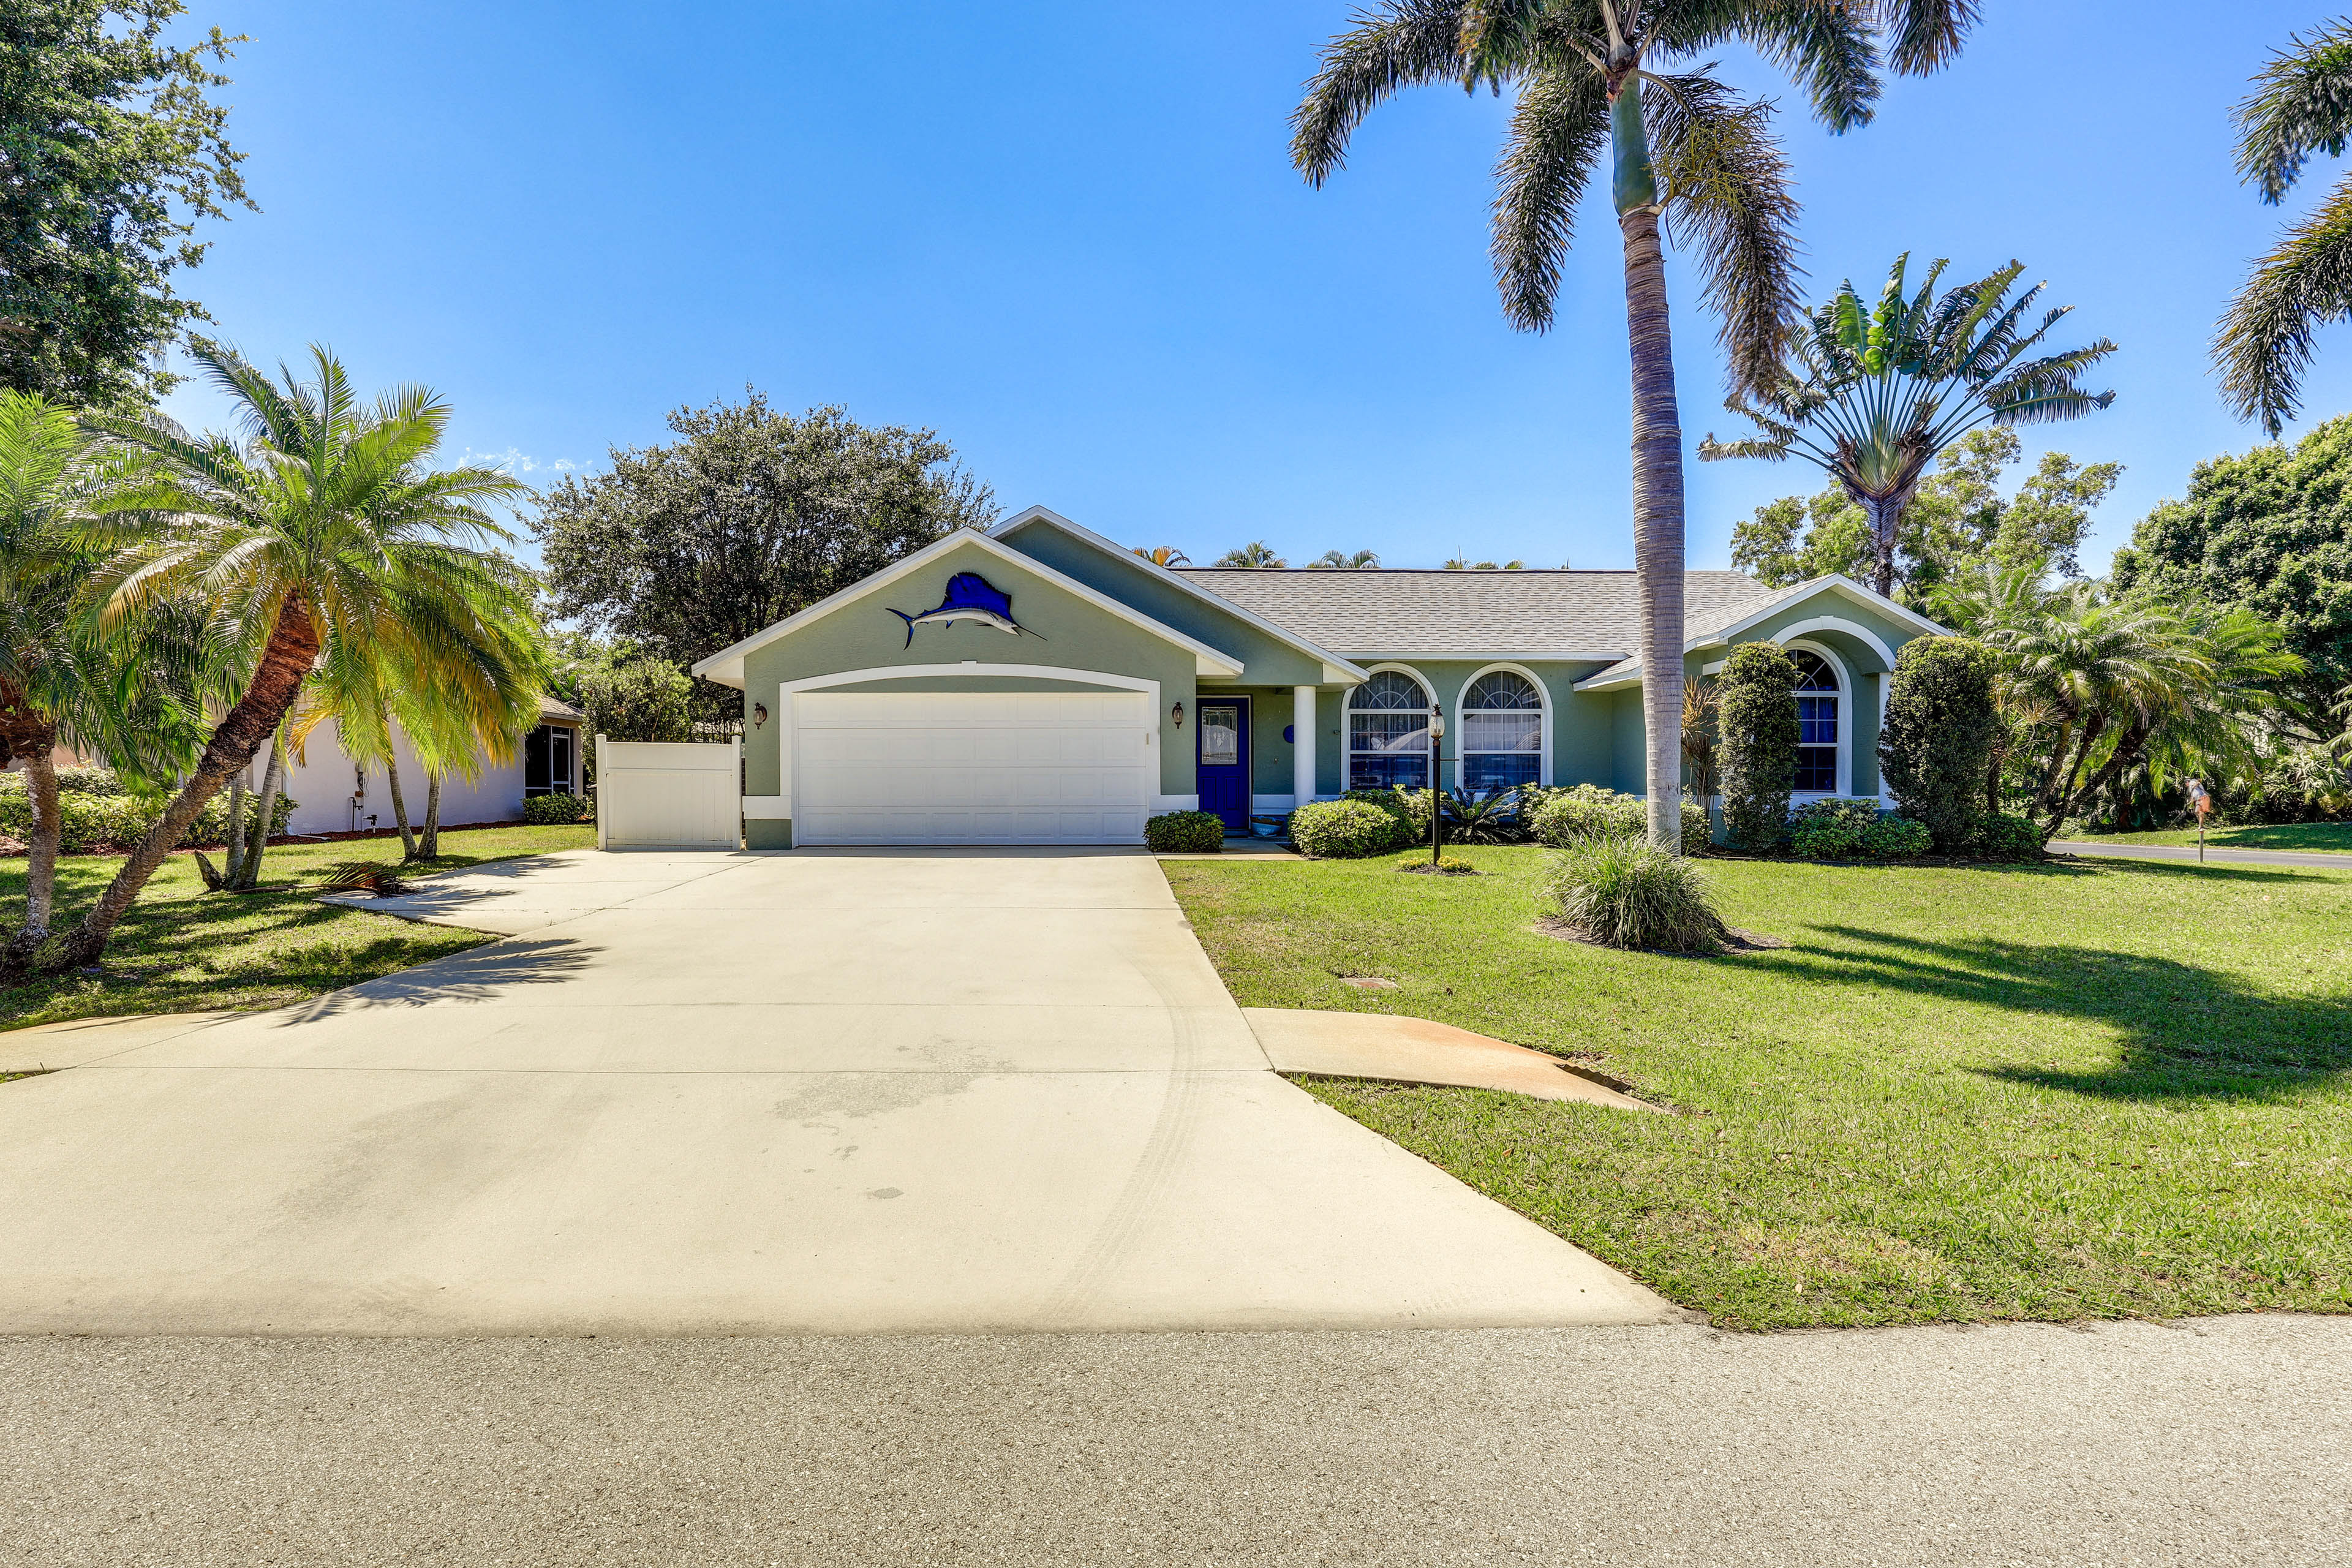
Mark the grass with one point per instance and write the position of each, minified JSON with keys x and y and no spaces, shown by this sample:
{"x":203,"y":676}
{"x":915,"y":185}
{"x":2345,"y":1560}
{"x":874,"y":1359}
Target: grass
{"x":2325,"y":836}
{"x":181,"y":950}
{"x":2083,"y":1089}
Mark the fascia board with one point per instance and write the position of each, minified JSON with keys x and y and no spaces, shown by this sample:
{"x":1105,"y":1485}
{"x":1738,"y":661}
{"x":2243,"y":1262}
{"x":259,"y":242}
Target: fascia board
{"x":1241,"y":613}
{"x":1834,"y":583}
{"x":1207,"y":660}
{"x":1488,"y":655}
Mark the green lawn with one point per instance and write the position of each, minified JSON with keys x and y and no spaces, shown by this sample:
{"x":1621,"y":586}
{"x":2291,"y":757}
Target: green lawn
{"x":2083,"y":1090}
{"x":2334,"y":836}
{"x":181,"y":950}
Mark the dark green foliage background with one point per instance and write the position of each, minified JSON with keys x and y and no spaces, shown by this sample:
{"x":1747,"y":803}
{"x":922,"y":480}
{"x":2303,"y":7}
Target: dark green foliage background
{"x":1936,"y":743}
{"x":1757,"y":698}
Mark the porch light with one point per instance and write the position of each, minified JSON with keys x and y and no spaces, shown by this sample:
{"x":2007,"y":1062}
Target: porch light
{"x":1436,"y":722}
{"x":1177,"y":715}
{"x":759,"y":714}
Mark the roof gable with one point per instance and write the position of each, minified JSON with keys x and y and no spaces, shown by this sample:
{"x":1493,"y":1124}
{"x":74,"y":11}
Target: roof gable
{"x":726,"y":666}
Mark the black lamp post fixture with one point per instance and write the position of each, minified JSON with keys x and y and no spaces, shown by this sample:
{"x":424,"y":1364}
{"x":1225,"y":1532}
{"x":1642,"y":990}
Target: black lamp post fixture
{"x":1437,"y":771}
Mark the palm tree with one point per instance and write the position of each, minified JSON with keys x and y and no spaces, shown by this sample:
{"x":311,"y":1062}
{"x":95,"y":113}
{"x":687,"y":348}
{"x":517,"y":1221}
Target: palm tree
{"x":1341,"y":560}
{"x":132,"y":698}
{"x":1873,"y":394}
{"x":321,"y":532}
{"x":2263,"y":344}
{"x":1164,"y":555}
{"x":1692,"y":152}
{"x":1257,"y":552}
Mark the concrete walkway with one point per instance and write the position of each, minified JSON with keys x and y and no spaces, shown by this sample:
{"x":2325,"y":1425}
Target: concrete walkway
{"x":2214,"y":854}
{"x":844,"y":1091}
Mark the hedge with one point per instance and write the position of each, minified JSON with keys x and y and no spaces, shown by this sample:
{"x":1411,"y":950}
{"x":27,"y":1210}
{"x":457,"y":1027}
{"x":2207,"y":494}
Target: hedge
{"x":92,"y":821}
{"x":1936,"y":747}
{"x":557,"y":810}
{"x":1186,"y":832}
{"x":1855,"y":830}
{"x":1756,"y":703}
{"x":1349,"y":829}
{"x":1561,"y":817}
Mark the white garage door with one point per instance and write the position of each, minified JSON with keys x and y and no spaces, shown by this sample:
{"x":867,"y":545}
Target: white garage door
{"x":970,"y":767}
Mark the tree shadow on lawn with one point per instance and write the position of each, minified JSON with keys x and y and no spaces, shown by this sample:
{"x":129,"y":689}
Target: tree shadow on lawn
{"x":2188,"y":1031}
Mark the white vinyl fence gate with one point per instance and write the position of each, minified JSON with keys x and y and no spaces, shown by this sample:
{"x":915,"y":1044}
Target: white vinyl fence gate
{"x":657,"y":796}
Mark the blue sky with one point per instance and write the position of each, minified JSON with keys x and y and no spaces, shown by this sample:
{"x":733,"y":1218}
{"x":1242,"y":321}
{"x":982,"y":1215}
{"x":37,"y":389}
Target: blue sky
{"x":1067,"y":236}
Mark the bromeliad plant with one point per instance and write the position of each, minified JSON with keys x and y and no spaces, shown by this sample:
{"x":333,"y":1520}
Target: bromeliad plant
{"x":1873,"y":393}
{"x":1607,"y":84}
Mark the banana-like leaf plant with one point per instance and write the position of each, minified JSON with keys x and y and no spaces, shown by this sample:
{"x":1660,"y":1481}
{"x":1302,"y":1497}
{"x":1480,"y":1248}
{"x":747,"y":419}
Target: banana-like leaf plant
{"x":1873,"y":393}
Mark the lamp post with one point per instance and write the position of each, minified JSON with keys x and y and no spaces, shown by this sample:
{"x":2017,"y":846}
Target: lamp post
{"x":1437,"y":771}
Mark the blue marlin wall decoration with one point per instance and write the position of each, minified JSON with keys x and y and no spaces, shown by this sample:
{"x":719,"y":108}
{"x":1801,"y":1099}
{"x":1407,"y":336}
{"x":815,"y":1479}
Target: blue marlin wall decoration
{"x":969,"y":597}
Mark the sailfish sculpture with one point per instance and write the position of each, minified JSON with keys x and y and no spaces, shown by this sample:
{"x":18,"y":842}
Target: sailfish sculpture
{"x":969,"y":597}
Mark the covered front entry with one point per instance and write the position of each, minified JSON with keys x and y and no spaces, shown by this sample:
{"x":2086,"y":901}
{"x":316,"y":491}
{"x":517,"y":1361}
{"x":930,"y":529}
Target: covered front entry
{"x":971,"y":767}
{"x":1223,"y":759}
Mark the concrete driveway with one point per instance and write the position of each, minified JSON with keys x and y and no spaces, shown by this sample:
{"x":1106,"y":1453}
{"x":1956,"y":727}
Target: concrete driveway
{"x":830,"y":1092}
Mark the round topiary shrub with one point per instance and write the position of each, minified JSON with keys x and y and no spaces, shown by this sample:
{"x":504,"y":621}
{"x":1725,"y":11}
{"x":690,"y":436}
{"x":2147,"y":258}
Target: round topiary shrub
{"x":1347,"y":830}
{"x":1935,"y":746}
{"x":2007,"y":837}
{"x":1898,"y":839}
{"x":1186,"y":832}
{"x":1627,"y":892}
{"x":1756,"y":703}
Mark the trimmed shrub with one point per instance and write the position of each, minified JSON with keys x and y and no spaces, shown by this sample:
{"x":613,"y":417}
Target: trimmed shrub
{"x":557,"y":810}
{"x":1898,"y":839}
{"x":1186,"y":832}
{"x":1348,"y":829}
{"x":2007,"y":837}
{"x":1586,"y":811}
{"x":1936,"y":747}
{"x":1756,"y":700}
{"x":1831,"y":829}
{"x":1698,"y":832}
{"x":97,"y":820}
{"x":1625,"y":892}
{"x":1413,"y":825}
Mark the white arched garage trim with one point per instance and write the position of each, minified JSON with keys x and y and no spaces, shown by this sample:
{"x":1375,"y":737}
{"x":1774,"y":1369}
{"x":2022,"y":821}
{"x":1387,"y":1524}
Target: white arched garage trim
{"x":787,"y":718}
{"x":1846,"y":698}
{"x":1543,"y":702}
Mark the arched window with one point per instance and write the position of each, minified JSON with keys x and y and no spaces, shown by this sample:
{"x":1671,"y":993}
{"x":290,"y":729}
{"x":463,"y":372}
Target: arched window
{"x":1819,"y":703}
{"x":1388,"y":733}
{"x":1502,"y":733}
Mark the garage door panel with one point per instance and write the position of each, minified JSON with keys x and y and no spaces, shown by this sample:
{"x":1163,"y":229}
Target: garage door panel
{"x":972,"y":767}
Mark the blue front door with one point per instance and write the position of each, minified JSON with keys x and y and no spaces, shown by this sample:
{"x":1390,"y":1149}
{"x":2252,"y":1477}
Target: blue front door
{"x":1222,"y":760}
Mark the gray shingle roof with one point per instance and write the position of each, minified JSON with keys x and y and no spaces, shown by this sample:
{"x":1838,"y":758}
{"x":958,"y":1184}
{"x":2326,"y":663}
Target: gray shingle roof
{"x":1521,"y":614}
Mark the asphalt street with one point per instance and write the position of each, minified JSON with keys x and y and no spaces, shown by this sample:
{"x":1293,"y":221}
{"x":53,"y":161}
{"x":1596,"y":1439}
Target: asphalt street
{"x":2224,"y":1441}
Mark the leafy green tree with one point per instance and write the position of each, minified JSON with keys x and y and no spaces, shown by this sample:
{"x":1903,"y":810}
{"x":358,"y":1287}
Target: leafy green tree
{"x":133,"y":697}
{"x":626,"y":693}
{"x":2270,"y":529}
{"x":1935,"y":744}
{"x":110,"y":152}
{"x":1958,"y":520}
{"x":2301,"y":104}
{"x":1597,"y":80}
{"x":1873,"y":395}
{"x":321,"y":532}
{"x":1756,"y":713}
{"x":749,"y":516}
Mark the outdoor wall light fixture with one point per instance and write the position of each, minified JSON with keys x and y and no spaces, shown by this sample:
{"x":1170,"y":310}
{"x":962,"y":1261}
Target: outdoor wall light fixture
{"x":1176,"y":714}
{"x":759,"y":714}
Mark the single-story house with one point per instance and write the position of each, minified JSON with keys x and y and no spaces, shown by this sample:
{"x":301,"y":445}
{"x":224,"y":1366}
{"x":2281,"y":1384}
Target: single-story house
{"x":333,"y":794}
{"x":1040,"y":684}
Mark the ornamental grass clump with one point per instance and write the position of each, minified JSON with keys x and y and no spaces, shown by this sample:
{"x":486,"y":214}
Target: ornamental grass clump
{"x":1629,"y":893}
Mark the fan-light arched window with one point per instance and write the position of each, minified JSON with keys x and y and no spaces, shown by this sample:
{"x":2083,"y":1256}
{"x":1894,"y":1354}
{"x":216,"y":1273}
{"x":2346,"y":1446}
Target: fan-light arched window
{"x":1502,"y":733}
{"x":1819,"y":703}
{"x":1388,"y":733}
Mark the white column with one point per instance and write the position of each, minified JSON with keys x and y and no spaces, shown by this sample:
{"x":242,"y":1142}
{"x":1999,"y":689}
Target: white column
{"x":1302,"y":749}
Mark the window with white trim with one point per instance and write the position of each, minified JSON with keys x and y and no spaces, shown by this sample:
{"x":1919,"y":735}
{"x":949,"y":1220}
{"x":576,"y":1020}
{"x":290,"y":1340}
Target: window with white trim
{"x":1502,"y":733}
{"x":1388,"y":733}
{"x":1818,"y":711}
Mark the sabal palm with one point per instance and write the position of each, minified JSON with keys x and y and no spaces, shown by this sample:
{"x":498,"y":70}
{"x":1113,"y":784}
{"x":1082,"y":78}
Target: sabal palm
{"x":1693,"y":151}
{"x":2301,"y":104}
{"x":1874,"y":394}
{"x":133,"y":697}
{"x":320,"y":530}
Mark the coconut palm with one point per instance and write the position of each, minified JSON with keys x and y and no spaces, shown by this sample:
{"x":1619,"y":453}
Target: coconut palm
{"x":1257,"y":552}
{"x":2301,"y":104}
{"x":1595,"y":80}
{"x":1344,"y":561}
{"x":1874,"y":394}
{"x":320,"y":531}
{"x":132,"y":698}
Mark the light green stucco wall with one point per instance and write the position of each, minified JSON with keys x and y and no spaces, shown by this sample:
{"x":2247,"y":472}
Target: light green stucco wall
{"x":1071,"y":634}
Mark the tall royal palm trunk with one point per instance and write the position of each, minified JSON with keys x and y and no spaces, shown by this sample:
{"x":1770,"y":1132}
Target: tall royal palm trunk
{"x":1657,"y":467}
{"x":294,"y":642}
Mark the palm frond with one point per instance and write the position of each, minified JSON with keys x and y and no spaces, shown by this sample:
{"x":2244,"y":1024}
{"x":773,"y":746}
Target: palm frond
{"x":1559,"y":134}
{"x":2301,"y":104}
{"x":2265,"y":339}
{"x":1400,"y":43}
